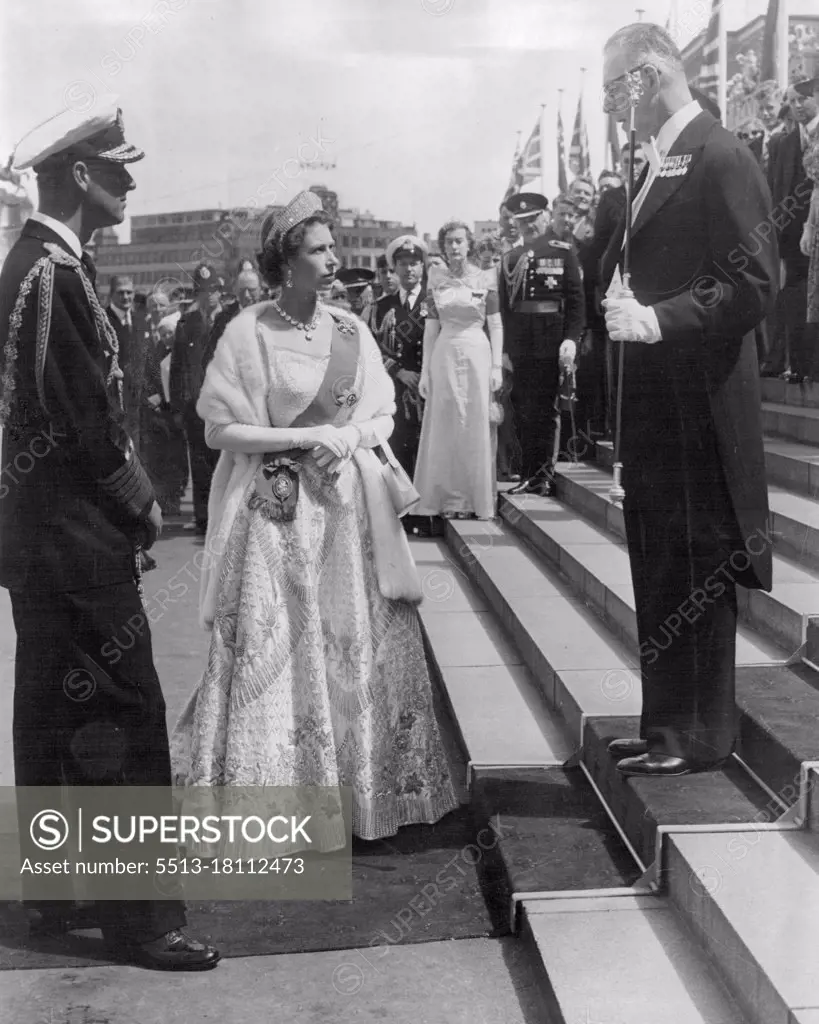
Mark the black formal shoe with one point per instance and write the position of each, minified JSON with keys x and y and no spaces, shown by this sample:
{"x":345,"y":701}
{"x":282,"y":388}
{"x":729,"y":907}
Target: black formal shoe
{"x":628,"y":748}
{"x":520,"y":488}
{"x":42,"y":923}
{"x":543,"y":487}
{"x":173,"y":951}
{"x":662,"y":765}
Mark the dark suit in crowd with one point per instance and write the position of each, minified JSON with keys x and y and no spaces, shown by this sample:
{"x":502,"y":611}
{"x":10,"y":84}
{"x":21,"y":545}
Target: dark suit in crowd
{"x":135,"y":345}
{"x":791,"y":191}
{"x":696,"y":507}
{"x":187,"y":375}
{"x":75,"y":503}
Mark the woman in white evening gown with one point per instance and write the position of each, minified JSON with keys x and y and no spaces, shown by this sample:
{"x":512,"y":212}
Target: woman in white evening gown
{"x":455,"y":472}
{"x":316,"y":673}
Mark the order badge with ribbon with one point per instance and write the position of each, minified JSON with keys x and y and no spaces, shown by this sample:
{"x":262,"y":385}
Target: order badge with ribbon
{"x":277,"y":487}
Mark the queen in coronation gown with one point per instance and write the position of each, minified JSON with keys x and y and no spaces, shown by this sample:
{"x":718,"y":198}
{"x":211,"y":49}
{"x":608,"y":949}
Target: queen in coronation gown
{"x":316,"y":673}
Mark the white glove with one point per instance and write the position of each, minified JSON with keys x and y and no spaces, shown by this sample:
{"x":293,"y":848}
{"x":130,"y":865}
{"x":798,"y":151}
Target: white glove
{"x":495,"y":379}
{"x":806,"y":241}
{"x":627,"y":320}
{"x":568,"y":352}
{"x":423,"y":385}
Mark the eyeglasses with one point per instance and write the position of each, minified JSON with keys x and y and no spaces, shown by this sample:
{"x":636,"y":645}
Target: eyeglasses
{"x":618,"y":92}
{"x":757,"y":133}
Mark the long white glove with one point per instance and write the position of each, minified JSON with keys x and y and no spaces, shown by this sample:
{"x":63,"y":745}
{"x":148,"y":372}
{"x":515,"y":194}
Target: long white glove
{"x":432,"y":328}
{"x":495,"y":325}
{"x":806,"y":241}
{"x":627,"y":320}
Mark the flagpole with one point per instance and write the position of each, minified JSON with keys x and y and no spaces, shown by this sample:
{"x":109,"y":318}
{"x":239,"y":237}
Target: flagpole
{"x":782,"y":45}
{"x":543,"y":138}
{"x":560,"y":156}
{"x":722,"y":64}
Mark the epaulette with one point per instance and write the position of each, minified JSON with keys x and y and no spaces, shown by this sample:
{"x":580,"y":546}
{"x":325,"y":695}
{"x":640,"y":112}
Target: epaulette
{"x":559,"y":244}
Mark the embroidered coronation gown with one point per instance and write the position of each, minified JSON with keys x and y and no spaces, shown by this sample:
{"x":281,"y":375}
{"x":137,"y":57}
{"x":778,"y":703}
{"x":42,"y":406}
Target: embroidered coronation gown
{"x":314,"y":678}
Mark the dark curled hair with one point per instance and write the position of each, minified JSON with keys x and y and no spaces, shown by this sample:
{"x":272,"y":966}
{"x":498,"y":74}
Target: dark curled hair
{"x":454,"y":225}
{"x":278,"y":250}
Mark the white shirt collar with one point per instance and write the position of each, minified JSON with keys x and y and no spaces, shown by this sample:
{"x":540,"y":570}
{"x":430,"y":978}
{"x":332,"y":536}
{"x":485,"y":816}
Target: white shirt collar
{"x":60,"y":229}
{"x":674,"y":126}
{"x":403,"y":293}
{"x":123,"y":315}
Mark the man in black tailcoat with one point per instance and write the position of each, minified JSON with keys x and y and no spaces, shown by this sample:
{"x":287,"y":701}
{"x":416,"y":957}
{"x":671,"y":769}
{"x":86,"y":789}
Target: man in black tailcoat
{"x":401,"y":317}
{"x":76,"y":503}
{"x":703,"y":275}
{"x":187,"y":375}
{"x":541,"y":303}
{"x":134,"y":336}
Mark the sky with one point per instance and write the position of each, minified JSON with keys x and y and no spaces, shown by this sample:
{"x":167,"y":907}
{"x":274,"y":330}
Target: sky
{"x":416,"y":102}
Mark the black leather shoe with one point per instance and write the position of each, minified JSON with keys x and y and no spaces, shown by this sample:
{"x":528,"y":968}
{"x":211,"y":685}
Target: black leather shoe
{"x":662,"y":765}
{"x":628,"y":748}
{"x":520,"y":488}
{"x":173,"y":951}
{"x":543,"y":487}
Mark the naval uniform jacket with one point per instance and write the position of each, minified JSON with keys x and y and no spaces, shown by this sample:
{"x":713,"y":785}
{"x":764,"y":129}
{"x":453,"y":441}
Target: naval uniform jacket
{"x":74,"y":496}
{"x":187,"y":371}
{"x":698,"y":258}
{"x":400,"y":336}
{"x":541,"y":299}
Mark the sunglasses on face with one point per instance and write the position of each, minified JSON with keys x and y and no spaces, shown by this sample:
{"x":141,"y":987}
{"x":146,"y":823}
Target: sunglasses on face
{"x":747,"y":136}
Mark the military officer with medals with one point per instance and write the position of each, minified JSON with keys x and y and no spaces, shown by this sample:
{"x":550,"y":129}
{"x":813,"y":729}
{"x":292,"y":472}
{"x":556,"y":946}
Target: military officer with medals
{"x":541,"y":303}
{"x":77,"y":504}
{"x":187,"y":375}
{"x":400,"y":336}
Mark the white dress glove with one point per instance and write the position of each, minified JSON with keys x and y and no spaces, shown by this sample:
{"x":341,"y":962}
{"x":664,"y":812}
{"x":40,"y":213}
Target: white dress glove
{"x":806,"y":241}
{"x":568,"y":352}
{"x":627,"y":320}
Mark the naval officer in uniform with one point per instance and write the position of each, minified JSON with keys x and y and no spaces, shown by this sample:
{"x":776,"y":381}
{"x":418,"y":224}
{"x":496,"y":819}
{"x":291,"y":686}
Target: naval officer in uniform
{"x":77,"y":504}
{"x":541,"y":303}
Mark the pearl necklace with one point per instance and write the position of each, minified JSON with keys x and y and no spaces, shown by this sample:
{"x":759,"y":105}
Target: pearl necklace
{"x":308,"y":328}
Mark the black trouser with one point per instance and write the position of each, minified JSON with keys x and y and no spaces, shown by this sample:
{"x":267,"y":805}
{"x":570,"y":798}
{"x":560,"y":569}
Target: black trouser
{"x":795,"y":307}
{"x":165,"y":456}
{"x":537,"y":416}
{"x":682,"y":537}
{"x":203,"y":462}
{"x":105,"y":727}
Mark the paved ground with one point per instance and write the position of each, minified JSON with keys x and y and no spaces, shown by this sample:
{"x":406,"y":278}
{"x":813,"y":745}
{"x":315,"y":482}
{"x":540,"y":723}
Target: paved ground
{"x":477,"y":980}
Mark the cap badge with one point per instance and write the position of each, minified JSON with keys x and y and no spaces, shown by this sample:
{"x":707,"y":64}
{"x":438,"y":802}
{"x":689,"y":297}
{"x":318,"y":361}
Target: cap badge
{"x":204,"y":273}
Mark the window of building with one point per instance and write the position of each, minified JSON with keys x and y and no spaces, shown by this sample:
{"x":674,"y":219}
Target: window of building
{"x":366,"y":261}
{"x":366,"y":242}
{"x":345,"y":241}
{"x":354,"y":241}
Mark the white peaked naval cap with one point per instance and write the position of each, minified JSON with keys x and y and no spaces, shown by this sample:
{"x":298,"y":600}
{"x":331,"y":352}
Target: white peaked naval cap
{"x":96,"y":133}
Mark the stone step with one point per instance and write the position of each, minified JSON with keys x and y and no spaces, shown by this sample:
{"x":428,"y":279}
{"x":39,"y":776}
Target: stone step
{"x":545,"y":830}
{"x":777,"y":702}
{"x":586,"y":675}
{"x":612,"y":960}
{"x":494,"y":700}
{"x":794,"y":423}
{"x":790,"y":465}
{"x":794,"y":517}
{"x":780,"y":392}
{"x":751,"y":900}
{"x":595,"y":561}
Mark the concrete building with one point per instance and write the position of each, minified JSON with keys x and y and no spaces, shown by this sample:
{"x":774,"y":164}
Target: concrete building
{"x":485,"y":227}
{"x":165,"y":247}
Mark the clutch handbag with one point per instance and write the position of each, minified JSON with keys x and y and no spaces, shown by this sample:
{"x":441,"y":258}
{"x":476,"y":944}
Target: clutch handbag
{"x":400,"y":487}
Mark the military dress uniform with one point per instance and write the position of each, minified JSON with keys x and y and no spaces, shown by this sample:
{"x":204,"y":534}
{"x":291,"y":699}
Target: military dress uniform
{"x":187,"y":374}
{"x":76,"y":501}
{"x":541,"y":303}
